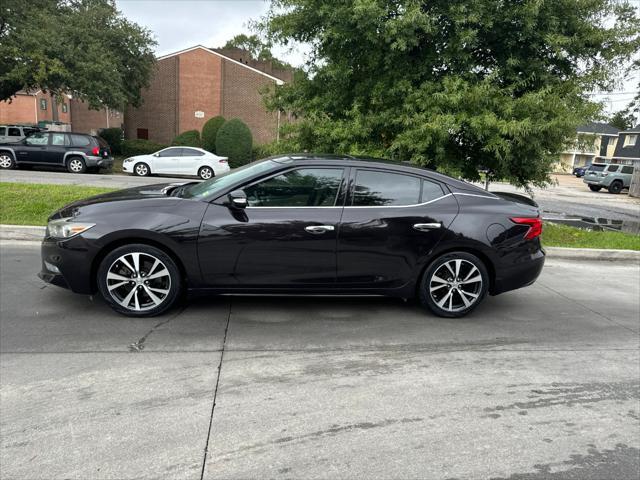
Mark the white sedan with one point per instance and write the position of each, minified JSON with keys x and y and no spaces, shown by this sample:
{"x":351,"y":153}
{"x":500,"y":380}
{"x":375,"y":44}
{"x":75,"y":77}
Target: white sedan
{"x":177,"y":161}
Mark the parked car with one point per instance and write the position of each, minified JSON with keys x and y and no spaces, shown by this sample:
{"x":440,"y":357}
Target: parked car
{"x":581,"y":170}
{"x":613,"y":177}
{"x":77,"y":152}
{"x":298,"y":224}
{"x":14,"y":133}
{"x":177,"y":161}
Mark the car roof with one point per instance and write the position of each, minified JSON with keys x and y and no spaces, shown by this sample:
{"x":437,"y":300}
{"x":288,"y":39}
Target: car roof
{"x":360,"y":161}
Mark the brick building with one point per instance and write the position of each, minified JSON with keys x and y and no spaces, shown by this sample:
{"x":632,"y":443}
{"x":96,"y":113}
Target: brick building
{"x":39,"y":108}
{"x":193,"y":85}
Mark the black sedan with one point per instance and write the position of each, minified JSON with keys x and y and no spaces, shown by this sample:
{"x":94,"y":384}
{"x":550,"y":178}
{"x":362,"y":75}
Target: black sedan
{"x":300,"y":224}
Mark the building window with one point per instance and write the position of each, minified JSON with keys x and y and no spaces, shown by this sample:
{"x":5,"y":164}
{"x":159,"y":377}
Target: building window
{"x":43,"y":104}
{"x":65,"y":108}
{"x":630,"y":140}
{"x":143,"y":133}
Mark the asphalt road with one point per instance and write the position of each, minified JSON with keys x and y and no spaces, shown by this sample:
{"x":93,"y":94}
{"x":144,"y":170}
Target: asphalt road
{"x":542,"y":383}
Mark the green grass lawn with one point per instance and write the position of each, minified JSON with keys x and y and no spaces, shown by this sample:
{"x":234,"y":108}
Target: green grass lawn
{"x":31,"y":204}
{"x":555,"y":235}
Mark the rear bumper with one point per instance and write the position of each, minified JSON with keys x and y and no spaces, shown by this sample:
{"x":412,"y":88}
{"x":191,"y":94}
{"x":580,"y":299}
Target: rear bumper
{"x":100,"y":162}
{"x":519,"y":275}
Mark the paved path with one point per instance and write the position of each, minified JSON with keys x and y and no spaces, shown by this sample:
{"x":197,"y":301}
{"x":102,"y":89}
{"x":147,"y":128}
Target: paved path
{"x":85,"y":179}
{"x":540,"y":383}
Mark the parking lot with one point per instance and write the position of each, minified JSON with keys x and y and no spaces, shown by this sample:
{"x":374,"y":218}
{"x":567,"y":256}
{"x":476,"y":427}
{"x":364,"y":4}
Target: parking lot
{"x":538,"y":383}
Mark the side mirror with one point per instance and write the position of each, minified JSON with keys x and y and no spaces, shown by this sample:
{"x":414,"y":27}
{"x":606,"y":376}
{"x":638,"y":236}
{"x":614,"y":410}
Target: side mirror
{"x":156,"y":154}
{"x":238,"y":199}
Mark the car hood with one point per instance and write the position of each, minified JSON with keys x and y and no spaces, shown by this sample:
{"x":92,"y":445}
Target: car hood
{"x":117,"y":198}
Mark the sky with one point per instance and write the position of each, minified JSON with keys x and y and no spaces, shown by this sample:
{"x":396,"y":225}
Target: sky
{"x":179,"y":24}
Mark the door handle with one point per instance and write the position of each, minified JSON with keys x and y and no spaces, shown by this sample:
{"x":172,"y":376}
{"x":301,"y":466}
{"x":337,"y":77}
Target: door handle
{"x":317,"y":229}
{"x":425,"y":227}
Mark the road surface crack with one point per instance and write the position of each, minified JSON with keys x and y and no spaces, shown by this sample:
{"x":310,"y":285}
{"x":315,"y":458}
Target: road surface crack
{"x":139,"y":345}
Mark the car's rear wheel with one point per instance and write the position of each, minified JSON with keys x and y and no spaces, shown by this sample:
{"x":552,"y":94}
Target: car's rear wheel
{"x":139,"y":280}
{"x":76,"y":165}
{"x":205,"y":173}
{"x":454,"y":284}
{"x":595,"y":188}
{"x":615,"y":187}
{"x":141,"y":169}
{"x":6,"y":161}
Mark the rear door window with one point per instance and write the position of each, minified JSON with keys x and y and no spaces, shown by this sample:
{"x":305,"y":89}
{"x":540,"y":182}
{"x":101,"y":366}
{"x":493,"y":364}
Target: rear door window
{"x":59,"y":139}
{"x":3,"y":131}
{"x":191,"y":152}
{"x":170,"y":152}
{"x":377,"y":188}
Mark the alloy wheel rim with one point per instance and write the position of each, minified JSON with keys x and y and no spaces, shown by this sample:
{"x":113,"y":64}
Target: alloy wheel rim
{"x":138,"y":281}
{"x":75,"y":165}
{"x":455,"y":285}
{"x":205,"y":173}
{"x":141,"y":170}
{"x":5,"y":161}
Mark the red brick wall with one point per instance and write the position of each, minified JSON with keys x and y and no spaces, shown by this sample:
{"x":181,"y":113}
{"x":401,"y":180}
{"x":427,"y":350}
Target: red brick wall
{"x":159,"y":112}
{"x":241,"y":98}
{"x":85,"y":120}
{"x":199,"y":88}
{"x":22,"y":109}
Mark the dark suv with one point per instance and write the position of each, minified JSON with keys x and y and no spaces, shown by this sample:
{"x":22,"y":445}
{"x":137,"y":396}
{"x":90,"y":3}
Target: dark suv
{"x":77,"y":152}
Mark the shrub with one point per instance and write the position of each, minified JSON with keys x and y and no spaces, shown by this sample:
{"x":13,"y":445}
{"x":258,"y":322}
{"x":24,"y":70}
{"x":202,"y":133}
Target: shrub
{"x":210,"y":131}
{"x":190,"y":138}
{"x":114,"y":137}
{"x":234,"y":141}
{"x":131,"y":148}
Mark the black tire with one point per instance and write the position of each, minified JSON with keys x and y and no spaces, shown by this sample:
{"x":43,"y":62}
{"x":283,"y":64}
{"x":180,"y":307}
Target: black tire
{"x":141,"y":169}
{"x":206,"y":173}
{"x":162,"y":282}
{"x":595,"y":188}
{"x":615,"y":187}
{"x":6,"y":161}
{"x":456,"y":299}
{"x":76,"y":165}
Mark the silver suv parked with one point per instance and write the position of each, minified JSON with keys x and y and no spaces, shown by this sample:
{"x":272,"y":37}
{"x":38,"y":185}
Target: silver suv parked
{"x":613,"y":177}
{"x":15,"y":133}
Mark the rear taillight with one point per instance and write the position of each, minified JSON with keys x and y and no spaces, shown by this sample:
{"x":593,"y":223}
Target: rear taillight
{"x":96,"y":151}
{"x":535,"y":226}
{"x":223,"y":161}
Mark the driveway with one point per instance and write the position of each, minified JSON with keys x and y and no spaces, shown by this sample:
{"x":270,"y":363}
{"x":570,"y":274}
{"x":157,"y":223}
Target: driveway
{"x":540,"y":383}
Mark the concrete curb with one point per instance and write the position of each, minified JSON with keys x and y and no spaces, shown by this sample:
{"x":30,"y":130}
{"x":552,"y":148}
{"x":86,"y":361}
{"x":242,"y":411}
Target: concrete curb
{"x":36,"y":234}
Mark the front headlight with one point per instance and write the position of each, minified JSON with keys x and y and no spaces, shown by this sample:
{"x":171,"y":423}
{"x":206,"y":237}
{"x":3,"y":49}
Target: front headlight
{"x":65,"y":228}
{"x":127,"y":160}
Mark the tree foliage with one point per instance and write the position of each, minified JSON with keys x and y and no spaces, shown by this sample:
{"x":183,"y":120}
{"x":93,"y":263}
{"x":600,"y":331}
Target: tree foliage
{"x":235,"y":142}
{"x":189,"y":138}
{"x":450,"y":84}
{"x":210,"y":132}
{"x":257,"y":48}
{"x":114,"y":137}
{"x":79,"y":47}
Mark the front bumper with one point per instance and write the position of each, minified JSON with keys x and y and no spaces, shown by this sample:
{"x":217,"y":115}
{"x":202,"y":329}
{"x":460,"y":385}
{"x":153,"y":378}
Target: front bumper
{"x":73,"y":259}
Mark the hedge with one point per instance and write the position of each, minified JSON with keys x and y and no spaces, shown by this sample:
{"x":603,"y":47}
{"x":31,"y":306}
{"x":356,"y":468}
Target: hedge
{"x":234,"y":141}
{"x":131,"y":148}
{"x":210,"y":131}
{"x":190,"y":138}
{"x":114,"y":137}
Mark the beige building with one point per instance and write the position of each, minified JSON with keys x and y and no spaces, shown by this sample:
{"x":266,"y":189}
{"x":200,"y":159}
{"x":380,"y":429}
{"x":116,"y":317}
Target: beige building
{"x":595,"y":142}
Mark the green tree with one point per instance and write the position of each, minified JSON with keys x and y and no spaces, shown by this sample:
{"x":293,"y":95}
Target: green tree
{"x":80,"y":47}
{"x":235,"y":142}
{"x":622,"y":120}
{"x":450,"y":84}
{"x":210,"y":132}
{"x":189,"y":138}
{"x":258,"y":49}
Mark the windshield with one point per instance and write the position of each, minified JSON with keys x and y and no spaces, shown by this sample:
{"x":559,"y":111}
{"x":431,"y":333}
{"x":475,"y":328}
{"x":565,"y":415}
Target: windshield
{"x":218,"y":184}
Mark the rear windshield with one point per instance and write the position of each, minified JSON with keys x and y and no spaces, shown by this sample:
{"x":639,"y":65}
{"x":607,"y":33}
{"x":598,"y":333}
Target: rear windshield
{"x":102,"y":142}
{"x":597,"y":168}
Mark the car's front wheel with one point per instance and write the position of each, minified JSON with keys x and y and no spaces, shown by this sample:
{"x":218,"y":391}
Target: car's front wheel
{"x":454,"y":284}
{"x":141,"y":169}
{"x":205,"y":173}
{"x":595,"y":188}
{"x":139,"y":280}
{"x":6,"y":161}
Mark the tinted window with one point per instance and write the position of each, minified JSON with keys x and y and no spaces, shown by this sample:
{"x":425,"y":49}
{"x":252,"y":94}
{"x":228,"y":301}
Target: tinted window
{"x":613,"y":168}
{"x":80,"y":140}
{"x":14,"y":132}
{"x":627,"y":169}
{"x":3,"y":130}
{"x":596,"y":168}
{"x":190,"y":152}
{"x":37,"y":139}
{"x":102,"y":142}
{"x":430,"y":191}
{"x":170,"y":152}
{"x":58,"y":139}
{"x":383,"y":188}
{"x":305,"y":187}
